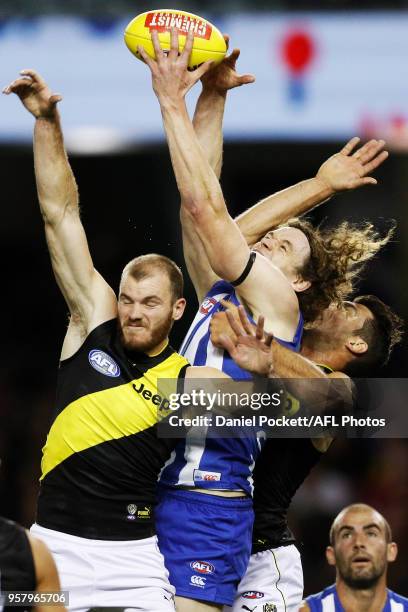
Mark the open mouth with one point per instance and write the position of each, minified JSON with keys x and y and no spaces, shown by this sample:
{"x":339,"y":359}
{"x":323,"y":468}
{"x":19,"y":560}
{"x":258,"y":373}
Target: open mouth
{"x":361,"y":560}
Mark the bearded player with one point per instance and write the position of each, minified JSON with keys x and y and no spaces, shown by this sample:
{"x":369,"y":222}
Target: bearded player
{"x":102,"y":456}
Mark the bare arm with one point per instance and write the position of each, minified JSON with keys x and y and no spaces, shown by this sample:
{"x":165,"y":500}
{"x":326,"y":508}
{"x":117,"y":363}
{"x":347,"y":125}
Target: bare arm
{"x":202,"y":198}
{"x":249,"y":347}
{"x":46,"y":573}
{"x":207,"y":122}
{"x":346,"y":170}
{"x":204,"y":372}
{"x":89,"y":298}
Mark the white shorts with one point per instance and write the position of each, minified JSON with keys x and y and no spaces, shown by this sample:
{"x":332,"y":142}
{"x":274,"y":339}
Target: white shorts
{"x":273,"y":582}
{"x":101,"y":573}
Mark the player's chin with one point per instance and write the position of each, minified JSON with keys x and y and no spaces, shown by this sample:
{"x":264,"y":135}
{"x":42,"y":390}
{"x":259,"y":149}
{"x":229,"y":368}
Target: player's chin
{"x":138,"y":339}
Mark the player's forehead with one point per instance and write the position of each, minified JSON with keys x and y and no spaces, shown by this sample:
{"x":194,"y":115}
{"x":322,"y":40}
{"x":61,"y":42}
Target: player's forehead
{"x":155,"y":282}
{"x":292,"y":235}
{"x":359,"y":518}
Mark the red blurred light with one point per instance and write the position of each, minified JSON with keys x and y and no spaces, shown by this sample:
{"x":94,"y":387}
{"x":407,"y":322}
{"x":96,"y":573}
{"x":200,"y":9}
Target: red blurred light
{"x":298,"y":51}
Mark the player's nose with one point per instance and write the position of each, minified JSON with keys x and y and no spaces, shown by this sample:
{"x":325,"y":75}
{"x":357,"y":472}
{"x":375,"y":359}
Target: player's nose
{"x":269,"y":241}
{"x":135,"y":313}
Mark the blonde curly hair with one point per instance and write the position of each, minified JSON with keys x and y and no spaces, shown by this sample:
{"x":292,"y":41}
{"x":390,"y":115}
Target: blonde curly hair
{"x":337,"y":257}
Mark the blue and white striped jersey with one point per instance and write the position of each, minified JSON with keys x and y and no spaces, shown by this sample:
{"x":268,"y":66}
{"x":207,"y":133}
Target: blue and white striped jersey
{"x":328,"y":601}
{"x":204,"y":460}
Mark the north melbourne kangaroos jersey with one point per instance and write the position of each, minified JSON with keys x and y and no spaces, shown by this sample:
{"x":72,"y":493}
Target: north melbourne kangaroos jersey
{"x":208,"y":461}
{"x":328,"y":601}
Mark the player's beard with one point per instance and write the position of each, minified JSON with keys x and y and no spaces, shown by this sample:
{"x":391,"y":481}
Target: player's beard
{"x":361,"y":579}
{"x":155,"y":338}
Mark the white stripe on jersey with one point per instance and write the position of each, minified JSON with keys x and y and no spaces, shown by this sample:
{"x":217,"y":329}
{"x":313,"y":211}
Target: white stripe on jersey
{"x":169,"y":460}
{"x":328,"y":604}
{"x":190,"y":345}
{"x":194,"y":450}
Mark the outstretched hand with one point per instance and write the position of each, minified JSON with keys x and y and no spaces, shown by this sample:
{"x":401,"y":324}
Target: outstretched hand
{"x":347,"y":170}
{"x":34,"y":93}
{"x":224,"y":76}
{"x":171,"y":78}
{"x":251,"y":348}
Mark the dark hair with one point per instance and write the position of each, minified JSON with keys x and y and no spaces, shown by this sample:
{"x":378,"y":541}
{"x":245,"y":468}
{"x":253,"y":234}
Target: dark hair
{"x":381,"y":334}
{"x":143,"y":266}
{"x":337,"y":256}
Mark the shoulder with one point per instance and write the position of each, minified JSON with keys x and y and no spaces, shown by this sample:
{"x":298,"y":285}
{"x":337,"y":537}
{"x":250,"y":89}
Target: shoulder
{"x":339,"y":375}
{"x":398,"y":598}
{"x":315,"y":601}
{"x":77,"y":337}
{"x":204,"y":372}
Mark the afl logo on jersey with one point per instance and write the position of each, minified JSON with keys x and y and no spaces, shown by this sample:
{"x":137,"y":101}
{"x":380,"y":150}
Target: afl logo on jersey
{"x":202,"y":567}
{"x":103,"y":363}
{"x":252,"y":595}
{"x":207,"y":305}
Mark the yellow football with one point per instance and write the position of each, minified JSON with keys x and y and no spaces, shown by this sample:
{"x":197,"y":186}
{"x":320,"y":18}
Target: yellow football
{"x":209,"y":43}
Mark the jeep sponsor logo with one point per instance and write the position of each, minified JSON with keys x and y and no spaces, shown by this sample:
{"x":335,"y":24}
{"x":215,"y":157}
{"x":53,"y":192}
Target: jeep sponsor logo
{"x":202,"y":567}
{"x":252,"y":595}
{"x":103,"y":363}
{"x":155,"y":398}
{"x":198,"y":581}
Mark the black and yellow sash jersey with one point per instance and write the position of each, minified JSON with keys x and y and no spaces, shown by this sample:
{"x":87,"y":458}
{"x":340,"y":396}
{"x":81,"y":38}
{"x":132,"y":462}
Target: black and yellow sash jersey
{"x":102,"y":456}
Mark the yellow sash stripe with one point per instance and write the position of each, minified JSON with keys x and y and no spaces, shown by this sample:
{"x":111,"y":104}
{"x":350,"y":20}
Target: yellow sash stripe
{"x":108,"y":415}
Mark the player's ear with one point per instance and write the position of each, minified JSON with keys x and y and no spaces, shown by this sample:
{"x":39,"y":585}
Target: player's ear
{"x":178,"y":308}
{"x":331,"y":559}
{"x":299,"y":284}
{"x":356,"y":345}
{"x":392,"y":552}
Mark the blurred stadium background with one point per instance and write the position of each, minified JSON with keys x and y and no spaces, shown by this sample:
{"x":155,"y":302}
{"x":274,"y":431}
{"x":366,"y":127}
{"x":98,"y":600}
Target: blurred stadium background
{"x":325,"y":72}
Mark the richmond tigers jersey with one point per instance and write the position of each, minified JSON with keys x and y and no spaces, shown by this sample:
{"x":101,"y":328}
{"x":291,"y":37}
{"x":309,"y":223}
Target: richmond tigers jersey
{"x":209,"y":461}
{"x":328,"y":601}
{"x":281,"y":469}
{"x":102,"y":456}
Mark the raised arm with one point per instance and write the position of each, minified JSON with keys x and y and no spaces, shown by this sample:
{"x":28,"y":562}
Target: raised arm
{"x":89,"y":298}
{"x":207,"y":122}
{"x":202,"y":198}
{"x":346,"y":170}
